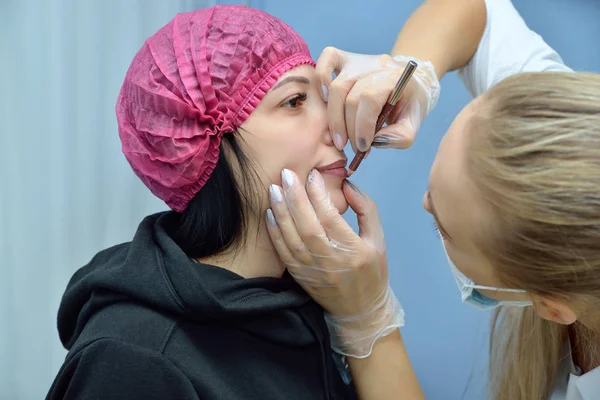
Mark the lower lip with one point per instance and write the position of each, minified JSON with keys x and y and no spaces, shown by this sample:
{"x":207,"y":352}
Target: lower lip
{"x":340,"y":172}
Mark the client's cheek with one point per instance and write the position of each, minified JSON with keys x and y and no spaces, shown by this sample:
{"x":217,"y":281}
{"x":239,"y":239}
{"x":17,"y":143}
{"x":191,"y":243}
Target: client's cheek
{"x":301,"y":169}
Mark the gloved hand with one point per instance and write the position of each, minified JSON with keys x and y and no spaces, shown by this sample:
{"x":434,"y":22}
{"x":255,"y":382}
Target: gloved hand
{"x":360,"y":90}
{"x":344,"y":272}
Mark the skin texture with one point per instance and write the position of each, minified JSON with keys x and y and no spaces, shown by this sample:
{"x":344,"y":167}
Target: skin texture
{"x":287,"y":130}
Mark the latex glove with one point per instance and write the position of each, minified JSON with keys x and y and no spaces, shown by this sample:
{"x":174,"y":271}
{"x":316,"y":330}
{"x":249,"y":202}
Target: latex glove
{"x":356,"y":97}
{"x":346,"y":273}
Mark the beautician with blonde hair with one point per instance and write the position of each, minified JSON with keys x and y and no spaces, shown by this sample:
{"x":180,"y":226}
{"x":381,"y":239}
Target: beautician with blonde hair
{"x":514,"y":191}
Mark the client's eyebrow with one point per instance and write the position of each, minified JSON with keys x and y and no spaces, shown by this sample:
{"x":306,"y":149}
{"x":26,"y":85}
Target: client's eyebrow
{"x":435,"y":216}
{"x":289,"y":79}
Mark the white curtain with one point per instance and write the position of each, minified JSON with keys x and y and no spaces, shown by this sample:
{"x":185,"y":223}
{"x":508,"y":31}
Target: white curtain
{"x":66,"y":191}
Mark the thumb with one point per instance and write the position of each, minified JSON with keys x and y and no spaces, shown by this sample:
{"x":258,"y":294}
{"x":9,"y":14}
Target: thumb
{"x":402,"y":133}
{"x":330,"y":61}
{"x":369,"y":223}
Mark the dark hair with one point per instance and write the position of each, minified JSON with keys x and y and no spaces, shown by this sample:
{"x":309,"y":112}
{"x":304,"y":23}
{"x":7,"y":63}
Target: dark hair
{"x":217,"y":218}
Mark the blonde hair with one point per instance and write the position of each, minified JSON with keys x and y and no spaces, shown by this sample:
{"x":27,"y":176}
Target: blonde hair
{"x":534,"y":156}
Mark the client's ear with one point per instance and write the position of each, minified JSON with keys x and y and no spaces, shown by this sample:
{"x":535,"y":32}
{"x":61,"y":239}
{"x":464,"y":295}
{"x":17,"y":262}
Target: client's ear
{"x":554,"y":310}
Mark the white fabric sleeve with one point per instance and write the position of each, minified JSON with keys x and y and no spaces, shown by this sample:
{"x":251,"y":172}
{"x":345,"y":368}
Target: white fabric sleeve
{"x":507,"y":47}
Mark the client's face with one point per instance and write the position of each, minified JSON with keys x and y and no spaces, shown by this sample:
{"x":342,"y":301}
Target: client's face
{"x":289,"y":130}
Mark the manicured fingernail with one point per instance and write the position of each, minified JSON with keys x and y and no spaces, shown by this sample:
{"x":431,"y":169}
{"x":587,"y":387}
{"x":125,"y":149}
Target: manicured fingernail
{"x":270,"y":217}
{"x":315,"y":177}
{"x":381,"y":141}
{"x":338,"y":141}
{"x":324,"y":92}
{"x":287,"y":177}
{"x":354,"y":187}
{"x":275,"y":193}
{"x":362,"y":144}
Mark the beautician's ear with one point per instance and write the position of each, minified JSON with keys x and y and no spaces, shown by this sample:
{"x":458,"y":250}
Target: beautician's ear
{"x":554,"y":310}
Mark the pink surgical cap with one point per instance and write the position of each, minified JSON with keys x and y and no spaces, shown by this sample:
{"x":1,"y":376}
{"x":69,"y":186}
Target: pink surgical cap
{"x":197,"y":78}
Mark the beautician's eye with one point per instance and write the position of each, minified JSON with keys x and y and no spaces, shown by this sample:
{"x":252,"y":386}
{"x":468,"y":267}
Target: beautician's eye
{"x":295,"y":101}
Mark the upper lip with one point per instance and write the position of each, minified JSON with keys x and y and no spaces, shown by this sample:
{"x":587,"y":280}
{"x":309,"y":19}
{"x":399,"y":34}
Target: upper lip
{"x":338,"y":164}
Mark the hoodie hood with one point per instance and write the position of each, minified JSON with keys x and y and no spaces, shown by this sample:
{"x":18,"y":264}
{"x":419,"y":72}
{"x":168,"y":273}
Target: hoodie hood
{"x":153,"y":271}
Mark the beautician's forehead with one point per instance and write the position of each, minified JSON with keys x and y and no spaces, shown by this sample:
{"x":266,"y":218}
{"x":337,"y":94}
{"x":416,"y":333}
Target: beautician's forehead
{"x":450,"y":171}
{"x":459,"y":206}
{"x":456,"y":200}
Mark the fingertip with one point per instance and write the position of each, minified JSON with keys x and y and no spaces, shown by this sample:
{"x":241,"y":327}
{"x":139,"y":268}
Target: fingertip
{"x":366,"y":211}
{"x":362,"y":144}
{"x":366,"y":119}
{"x":270,"y":218}
{"x":357,"y":193}
{"x":272,"y":227}
{"x":390,"y":143}
{"x":353,"y":196}
{"x":315,"y":178}
{"x":329,"y":62}
{"x":336,"y":110}
{"x":398,"y":136}
{"x":288,"y":178}
{"x":338,"y":141}
{"x":275,"y":194}
{"x":318,"y":194}
{"x":406,"y":142}
{"x":324,"y":92}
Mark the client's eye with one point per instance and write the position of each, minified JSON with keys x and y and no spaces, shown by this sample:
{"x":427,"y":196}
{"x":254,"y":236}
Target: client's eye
{"x":295,"y":101}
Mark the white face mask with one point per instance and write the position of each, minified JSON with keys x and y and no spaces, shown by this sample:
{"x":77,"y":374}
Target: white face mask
{"x":471,"y":296}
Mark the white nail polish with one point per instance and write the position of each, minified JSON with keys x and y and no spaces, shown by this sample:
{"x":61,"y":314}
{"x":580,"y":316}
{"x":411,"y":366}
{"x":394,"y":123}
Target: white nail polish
{"x":275,"y":193}
{"x":338,"y":141}
{"x":270,"y":217}
{"x":287,"y":177}
{"x":324,"y":92}
{"x":315,"y":178}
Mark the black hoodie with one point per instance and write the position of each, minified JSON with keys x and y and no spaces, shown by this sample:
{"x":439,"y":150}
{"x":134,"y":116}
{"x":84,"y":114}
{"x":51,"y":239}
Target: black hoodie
{"x":143,"y":321}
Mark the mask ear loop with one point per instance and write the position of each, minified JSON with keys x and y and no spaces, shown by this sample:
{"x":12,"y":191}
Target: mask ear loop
{"x":466,"y":282}
{"x":498,"y":289}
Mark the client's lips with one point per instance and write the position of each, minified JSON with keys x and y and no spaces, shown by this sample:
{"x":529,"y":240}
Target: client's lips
{"x":337,"y":168}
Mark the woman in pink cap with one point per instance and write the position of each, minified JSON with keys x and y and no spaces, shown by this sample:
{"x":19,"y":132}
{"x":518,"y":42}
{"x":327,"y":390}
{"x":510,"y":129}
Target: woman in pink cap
{"x":217,"y":108}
